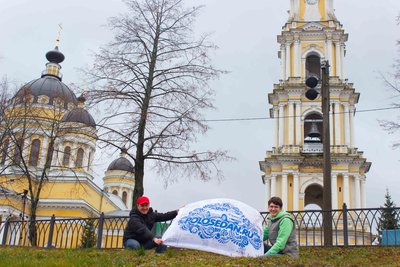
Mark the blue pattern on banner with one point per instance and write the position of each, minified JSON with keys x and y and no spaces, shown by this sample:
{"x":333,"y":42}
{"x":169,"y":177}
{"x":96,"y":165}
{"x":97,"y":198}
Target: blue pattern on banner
{"x":236,"y":228}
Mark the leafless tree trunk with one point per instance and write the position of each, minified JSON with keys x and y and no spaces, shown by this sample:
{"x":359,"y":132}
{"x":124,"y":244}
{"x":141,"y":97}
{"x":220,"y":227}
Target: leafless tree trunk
{"x":153,"y":77}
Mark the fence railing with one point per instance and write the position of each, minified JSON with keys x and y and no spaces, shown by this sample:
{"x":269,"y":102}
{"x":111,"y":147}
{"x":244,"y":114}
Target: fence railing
{"x":351,"y":227}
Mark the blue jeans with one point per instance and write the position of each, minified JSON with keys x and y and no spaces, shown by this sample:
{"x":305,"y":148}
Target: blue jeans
{"x":134,"y":244}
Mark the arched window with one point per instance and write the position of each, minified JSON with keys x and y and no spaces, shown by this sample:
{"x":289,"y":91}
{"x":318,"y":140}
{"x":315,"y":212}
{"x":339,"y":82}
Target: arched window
{"x":313,"y":66}
{"x":18,"y":149}
{"x":66,"y":156}
{"x":34,"y":154}
{"x":115,"y":192}
{"x":4,"y":150}
{"x":313,"y":128}
{"x":124,"y":196}
{"x":79,"y":158}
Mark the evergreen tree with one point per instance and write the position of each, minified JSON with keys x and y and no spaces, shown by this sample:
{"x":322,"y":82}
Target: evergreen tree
{"x":88,"y":239}
{"x":389,"y":220}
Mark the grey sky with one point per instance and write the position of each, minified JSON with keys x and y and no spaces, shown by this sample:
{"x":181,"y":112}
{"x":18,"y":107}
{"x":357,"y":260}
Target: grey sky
{"x":246,"y":33}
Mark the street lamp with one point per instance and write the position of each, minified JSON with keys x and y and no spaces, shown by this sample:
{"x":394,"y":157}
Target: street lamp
{"x":312,"y":94}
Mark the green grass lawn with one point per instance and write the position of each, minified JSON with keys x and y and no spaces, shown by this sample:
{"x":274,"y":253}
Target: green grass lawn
{"x":362,"y":256}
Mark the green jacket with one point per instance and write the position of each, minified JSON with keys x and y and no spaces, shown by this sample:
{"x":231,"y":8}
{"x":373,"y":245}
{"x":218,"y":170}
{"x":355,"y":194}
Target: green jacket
{"x":284,"y":233}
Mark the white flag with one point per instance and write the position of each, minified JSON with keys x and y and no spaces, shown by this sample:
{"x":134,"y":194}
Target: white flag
{"x":222,"y":226}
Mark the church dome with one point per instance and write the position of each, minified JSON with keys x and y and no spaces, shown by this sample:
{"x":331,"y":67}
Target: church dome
{"x":121,"y":163}
{"x":79,"y":115}
{"x":50,"y":87}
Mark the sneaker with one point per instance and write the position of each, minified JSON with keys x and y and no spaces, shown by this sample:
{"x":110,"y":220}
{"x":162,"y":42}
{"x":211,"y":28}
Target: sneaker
{"x":161,"y":248}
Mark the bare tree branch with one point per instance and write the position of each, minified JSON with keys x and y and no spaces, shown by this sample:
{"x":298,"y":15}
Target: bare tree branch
{"x":153,"y":77}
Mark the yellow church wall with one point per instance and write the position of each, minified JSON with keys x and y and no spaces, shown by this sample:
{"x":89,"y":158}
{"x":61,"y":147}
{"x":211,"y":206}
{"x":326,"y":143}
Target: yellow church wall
{"x":301,"y":204}
{"x":321,"y":4}
{"x":302,"y":9}
{"x":36,"y":113}
{"x":71,"y":213}
{"x":340,"y":191}
{"x":119,"y":180}
{"x":290,"y":203}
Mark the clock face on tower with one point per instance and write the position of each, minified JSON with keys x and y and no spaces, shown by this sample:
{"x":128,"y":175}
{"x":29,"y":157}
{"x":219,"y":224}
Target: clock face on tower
{"x":312,"y":2}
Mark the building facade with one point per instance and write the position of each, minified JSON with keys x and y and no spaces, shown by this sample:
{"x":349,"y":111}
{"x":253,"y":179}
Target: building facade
{"x":293,"y":168}
{"x":47,"y":134}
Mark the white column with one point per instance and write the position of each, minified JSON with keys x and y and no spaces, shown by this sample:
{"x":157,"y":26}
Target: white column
{"x":297,"y":56}
{"x":331,"y":128}
{"x":298,"y":124}
{"x":273,"y":185}
{"x":346,"y":125}
{"x":281,"y":124}
{"x":346,"y":196}
{"x":351,"y":126}
{"x":267,"y":188}
{"x":276,"y":118}
{"x":329,"y":50}
{"x":130,"y":200}
{"x":284,"y":190}
{"x":357,"y":192}
{"x":283,"y":62}
{"x":288,"y":57}
{"x":338,"y":60}
{"x":44,"y":147}
{"x":296,"y":191}
{"x":337,"y":127}
{"x":362,"y":192}
{"x":72,"y":159}
{"x":342,"y":49}
{"x":291,"y":123}
{"x":334,"y":191}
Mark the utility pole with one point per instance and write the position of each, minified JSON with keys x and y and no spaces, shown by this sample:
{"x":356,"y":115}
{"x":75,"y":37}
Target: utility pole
{"x":327,"y":190}
{"x":312,"y":94}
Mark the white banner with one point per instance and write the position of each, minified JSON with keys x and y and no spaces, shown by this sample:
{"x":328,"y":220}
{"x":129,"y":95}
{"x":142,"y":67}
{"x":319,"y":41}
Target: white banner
{"x":222,"y":226}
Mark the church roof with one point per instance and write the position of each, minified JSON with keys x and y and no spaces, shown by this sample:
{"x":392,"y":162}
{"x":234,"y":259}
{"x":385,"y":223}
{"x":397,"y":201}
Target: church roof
{"x":121,"y":164}
{"x":79,"y":115}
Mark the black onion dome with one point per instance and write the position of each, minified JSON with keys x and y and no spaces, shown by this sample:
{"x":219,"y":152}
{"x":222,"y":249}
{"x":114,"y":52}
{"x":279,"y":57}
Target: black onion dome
{"x":79,"y":115}
{"x":55,"y":56}
{"x":121,"y":164}
{"x":48,"y":86}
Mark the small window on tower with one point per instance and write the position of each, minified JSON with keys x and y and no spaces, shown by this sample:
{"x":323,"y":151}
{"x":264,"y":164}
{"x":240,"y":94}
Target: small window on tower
{"x":79,"y":158}
{"x":313,"y":66}
{"x":35,"y":152}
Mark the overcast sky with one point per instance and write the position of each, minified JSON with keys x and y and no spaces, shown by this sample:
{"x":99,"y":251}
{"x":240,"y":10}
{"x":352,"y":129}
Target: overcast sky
{"x":245,"y":32}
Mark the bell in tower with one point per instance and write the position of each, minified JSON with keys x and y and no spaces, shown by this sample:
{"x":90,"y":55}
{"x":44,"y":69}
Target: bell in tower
{"x":313,"y":136}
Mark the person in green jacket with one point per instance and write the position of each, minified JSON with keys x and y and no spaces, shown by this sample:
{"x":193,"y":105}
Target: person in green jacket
{"x":280,"y":231}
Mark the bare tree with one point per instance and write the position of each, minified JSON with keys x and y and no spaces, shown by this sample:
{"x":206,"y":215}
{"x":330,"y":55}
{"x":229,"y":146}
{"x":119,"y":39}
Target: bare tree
{"x":154,"y":79}
{"x":394,"y":84}
{"x":22,"y":125}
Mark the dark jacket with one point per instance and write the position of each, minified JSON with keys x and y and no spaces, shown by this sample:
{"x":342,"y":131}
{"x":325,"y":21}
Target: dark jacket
{"x":139,"y":225}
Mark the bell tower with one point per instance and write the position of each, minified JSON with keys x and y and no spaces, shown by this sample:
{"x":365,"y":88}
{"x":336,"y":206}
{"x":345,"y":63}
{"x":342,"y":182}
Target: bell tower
{"x":293,"y":168}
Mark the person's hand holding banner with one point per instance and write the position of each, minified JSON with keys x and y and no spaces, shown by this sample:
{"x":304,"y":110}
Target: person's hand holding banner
{"x":223,"y":226}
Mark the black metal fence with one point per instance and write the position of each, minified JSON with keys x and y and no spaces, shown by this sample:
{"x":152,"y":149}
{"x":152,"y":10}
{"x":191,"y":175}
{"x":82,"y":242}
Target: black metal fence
{"x":351,"y":227}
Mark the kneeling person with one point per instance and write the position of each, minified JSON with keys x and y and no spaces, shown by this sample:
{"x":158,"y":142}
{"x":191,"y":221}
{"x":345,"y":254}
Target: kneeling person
{"x":280,"y":231}
{"x":138,"y":233}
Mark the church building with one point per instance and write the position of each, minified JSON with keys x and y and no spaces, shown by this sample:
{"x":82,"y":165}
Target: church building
{"x":292,"y":169}
{"x":46,"y":132}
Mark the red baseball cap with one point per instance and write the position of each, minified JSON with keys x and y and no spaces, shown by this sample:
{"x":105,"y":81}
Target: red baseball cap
{"x":143,"y":200}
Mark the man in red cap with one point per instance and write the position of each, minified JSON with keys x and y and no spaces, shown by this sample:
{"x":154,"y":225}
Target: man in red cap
{"x":138,"y":233}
